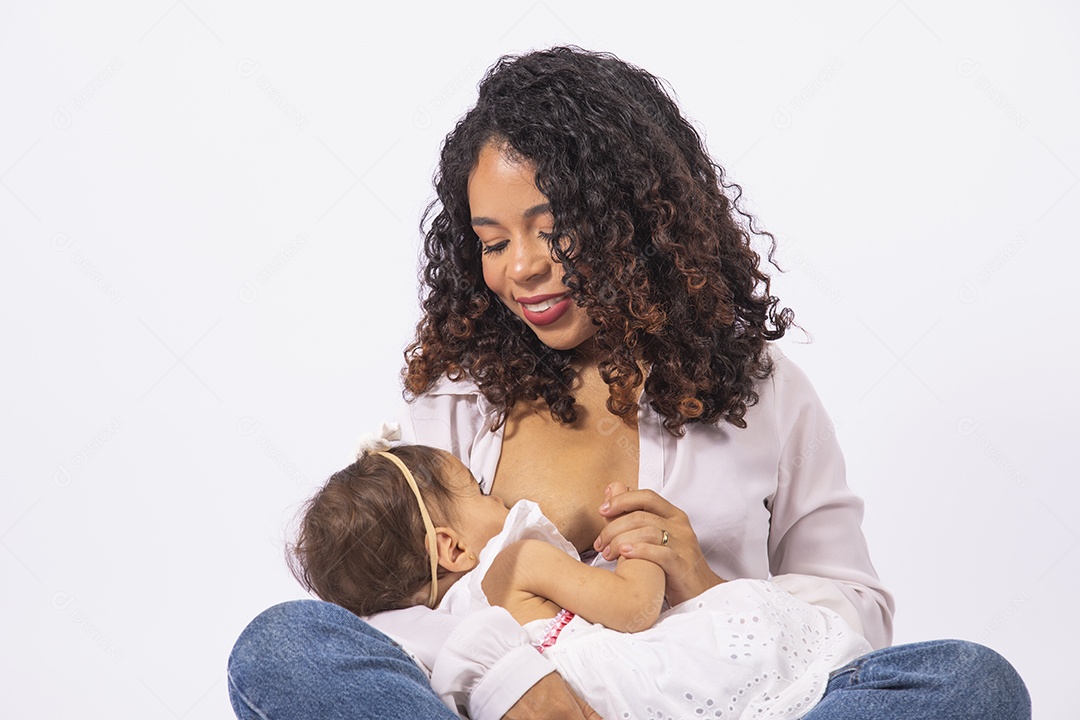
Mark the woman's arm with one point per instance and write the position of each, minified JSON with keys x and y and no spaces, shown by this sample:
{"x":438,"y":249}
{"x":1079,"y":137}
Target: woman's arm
{"x":551,"y":697}
{"x":627,"y":600}
{"x":817,"y":549}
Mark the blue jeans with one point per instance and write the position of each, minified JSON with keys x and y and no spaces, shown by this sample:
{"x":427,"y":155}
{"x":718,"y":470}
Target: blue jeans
{"x":308,"y":659}
{"x":312,"y":659}
{"x":935,"y":680}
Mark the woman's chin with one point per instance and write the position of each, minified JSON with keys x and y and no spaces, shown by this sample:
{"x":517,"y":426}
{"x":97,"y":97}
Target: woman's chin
{"x":573,"y":338}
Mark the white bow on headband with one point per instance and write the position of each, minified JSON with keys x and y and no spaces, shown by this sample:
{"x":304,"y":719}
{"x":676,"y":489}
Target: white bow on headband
{"x":380,"y":440}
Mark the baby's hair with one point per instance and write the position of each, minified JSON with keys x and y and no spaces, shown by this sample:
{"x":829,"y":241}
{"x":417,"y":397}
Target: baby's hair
{"x":361,"y":542}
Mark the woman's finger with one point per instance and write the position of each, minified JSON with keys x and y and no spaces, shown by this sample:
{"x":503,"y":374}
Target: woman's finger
{"x":662,"y":555}
{"x":626,"y":523}
{"x":635,"y":500}
{"x":645,"y":535}
{"x":615,"y":488}
{"x":640,"y":522}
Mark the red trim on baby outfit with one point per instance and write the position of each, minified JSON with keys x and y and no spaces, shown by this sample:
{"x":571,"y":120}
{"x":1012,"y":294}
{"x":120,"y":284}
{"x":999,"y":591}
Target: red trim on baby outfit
{"x":552,"y":633}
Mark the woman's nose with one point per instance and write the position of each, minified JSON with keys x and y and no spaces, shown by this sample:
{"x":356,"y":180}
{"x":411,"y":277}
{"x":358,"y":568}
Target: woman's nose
{"x":530,"y":259}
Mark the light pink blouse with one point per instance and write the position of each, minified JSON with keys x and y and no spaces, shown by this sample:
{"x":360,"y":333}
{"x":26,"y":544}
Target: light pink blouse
{"x":767,"y":501}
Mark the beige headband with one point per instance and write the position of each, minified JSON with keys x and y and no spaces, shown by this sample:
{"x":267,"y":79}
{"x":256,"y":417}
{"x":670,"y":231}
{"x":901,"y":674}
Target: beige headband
{"x":429,"y":527}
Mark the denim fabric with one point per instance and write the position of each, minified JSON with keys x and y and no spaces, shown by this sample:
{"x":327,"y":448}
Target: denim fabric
{"x":937,"y":680}
{"x":308,"y":659}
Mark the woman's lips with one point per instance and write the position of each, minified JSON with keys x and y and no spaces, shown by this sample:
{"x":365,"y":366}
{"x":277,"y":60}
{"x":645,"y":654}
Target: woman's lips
{"x":544,"y":309}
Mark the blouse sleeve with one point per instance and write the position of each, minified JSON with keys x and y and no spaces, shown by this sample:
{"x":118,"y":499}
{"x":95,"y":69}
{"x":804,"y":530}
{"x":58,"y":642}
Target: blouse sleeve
{"x":817,"y":549}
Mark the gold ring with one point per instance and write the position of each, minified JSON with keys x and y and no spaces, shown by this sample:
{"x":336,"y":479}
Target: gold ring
{"x":664,"y":539}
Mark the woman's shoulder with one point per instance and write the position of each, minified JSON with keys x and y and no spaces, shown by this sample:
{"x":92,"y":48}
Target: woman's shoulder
{"x":789,"y":396}
{"x":784,"y":397}
{"x":786,"y":375}
{"x":455,"y":416}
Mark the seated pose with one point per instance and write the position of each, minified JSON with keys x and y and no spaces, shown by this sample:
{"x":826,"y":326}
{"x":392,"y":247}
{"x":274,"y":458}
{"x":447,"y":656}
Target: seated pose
{"x":594,"y":310}
{"x":746,"y":648}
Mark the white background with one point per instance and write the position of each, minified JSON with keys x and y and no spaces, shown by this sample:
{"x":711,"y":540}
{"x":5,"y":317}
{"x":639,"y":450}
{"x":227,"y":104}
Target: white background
{"x":209,"y":217}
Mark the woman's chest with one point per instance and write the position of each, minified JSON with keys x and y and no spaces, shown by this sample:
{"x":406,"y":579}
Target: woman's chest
{"x":721,"y":477}
{"x":565,"y":469}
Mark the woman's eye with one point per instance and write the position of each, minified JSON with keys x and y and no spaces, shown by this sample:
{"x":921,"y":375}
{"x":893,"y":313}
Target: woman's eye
{"x":494,"y":248}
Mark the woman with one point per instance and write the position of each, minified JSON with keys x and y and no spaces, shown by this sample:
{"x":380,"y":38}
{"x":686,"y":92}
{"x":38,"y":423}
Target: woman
{"x":595,"y":312}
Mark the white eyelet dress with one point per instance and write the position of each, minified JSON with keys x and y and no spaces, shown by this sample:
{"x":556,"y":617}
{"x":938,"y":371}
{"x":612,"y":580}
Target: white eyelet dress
{"x":743,"y":649}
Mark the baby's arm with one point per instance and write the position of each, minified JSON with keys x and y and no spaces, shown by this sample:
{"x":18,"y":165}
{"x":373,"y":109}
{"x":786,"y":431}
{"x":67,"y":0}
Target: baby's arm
{"x":528,"y":573}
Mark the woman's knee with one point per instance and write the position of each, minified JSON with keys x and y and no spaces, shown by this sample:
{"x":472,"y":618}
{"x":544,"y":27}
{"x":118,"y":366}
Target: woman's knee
{"x":305,"y":631}
{"x":987,"y":677}
{"x":304,"y":651}
{"x":971,"y":679}
{"x":952,"y":679}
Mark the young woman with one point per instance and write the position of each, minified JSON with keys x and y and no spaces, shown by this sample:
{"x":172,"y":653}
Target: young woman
{"x":594,"y":311}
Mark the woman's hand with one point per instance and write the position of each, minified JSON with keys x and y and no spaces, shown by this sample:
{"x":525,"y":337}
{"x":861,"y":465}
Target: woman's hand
{"x":644,"y":525}
{"x":552,"y":698}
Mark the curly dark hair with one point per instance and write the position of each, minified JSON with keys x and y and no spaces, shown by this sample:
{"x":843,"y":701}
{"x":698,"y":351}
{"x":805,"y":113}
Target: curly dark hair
{"x":649,"y":232}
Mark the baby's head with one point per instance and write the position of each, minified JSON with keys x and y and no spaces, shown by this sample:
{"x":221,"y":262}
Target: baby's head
{"x":363,"y":542}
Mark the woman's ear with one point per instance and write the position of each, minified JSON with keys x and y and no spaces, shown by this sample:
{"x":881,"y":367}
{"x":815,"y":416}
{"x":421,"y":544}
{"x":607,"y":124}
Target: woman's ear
{"x":454,"y":554}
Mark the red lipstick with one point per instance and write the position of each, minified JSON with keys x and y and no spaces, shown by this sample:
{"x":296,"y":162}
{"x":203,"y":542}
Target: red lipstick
{"x":543,"y":310}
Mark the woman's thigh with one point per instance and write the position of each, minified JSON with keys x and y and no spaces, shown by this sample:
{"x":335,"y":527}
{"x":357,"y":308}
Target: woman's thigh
{"x":311,"y":659}
{"x":951,"y":679}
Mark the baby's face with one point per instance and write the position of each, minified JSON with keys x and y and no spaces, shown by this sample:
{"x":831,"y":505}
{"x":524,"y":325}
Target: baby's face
{"x":479,"y":517}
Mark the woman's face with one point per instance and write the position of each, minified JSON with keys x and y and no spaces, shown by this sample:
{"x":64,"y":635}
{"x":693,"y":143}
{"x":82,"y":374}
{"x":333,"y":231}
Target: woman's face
{"x":513,"y":220}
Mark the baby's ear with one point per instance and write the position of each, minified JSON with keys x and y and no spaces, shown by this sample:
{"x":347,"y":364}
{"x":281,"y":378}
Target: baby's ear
{"x":454,"y":554}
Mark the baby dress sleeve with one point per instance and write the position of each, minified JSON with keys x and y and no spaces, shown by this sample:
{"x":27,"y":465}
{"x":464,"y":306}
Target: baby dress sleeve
{"x":486,"y":665}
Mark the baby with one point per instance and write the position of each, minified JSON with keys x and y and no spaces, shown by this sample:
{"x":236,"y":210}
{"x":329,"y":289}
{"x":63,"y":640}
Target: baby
{"x":410,"y":526}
